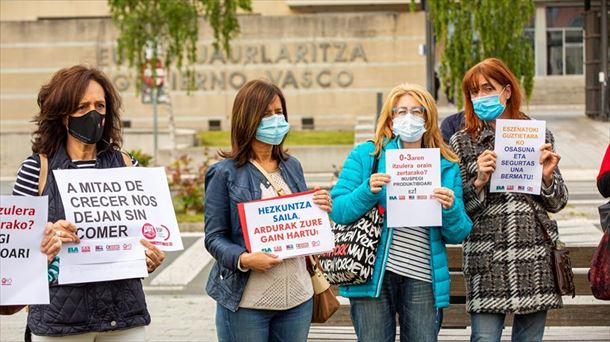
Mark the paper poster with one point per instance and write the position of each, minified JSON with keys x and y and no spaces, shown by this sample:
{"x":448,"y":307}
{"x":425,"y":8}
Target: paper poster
{"x":517,"y":147}
{"x":414,"y":174}
{"x":23,"y":267}
{"x":112,"y":210}
{"x":286,"y":226}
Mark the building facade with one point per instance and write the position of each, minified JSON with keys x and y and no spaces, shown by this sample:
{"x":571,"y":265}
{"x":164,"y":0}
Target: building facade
{"x":331,"y":58}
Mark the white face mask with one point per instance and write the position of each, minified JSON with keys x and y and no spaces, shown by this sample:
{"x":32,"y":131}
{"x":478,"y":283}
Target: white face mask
{"x":409,"y":128}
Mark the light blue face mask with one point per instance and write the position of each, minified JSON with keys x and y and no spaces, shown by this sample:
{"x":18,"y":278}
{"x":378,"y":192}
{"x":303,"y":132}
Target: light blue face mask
{"x":409,"y":128}
{"x":272,"y":129}
{"x":488,"y":108}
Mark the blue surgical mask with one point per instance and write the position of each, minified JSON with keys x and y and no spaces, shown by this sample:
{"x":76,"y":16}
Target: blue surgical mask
{"x":272,"y":129}
{"x":409,"y":128}
{"x":488,"y":108}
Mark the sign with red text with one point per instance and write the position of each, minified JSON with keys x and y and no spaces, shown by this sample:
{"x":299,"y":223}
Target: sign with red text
{"x":23,"y":267}
{"x":414,"y":174}
{"x":286,"y":226}
{"x":517,"y":147}
{"x":112,"y":210}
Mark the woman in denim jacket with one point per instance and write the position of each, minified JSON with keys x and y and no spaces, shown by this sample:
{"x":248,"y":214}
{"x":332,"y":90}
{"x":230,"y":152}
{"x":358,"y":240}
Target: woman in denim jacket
{"x":410,"y":276}
{"x":259,"y":296}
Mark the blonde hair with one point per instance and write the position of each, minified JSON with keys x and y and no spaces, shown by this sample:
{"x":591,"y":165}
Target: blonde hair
{"x":432,"y":137}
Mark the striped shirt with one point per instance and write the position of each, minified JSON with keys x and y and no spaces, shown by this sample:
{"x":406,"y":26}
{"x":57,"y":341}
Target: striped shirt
{"x":410,"y":253}
{"x":27,"y":185}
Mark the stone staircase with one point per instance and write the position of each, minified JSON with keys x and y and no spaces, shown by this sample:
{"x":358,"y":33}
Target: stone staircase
{"x":365,"y":129}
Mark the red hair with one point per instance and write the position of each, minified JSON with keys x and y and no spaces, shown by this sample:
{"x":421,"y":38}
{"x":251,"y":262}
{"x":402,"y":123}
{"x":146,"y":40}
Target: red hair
{"x":490,"y":69}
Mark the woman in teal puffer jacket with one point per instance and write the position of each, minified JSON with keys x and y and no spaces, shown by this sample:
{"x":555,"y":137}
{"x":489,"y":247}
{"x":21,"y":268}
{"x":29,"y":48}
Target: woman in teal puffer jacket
{"x":410,"y":277}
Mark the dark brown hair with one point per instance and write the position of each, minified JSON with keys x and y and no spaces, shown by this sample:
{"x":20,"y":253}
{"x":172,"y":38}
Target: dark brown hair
{"x":61,"y":97}
{"x":249,"y":107}
{"x":490,"y":69}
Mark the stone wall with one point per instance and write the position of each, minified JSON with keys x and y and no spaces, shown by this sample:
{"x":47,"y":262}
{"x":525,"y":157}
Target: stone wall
{"x":330,"y":66}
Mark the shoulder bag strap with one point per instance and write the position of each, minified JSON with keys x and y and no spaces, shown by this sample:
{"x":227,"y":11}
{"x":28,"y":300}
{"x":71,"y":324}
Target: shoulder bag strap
{"x":278,"y":189}
{"x":44,"y":170}
{"x":545,"y":234}
{"x":127,"y":159}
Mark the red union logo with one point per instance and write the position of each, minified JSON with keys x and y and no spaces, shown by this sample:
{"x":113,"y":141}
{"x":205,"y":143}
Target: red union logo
{"x":85,"y":249}
{"x":113,"y":247}
{"x":149,"y":231}
{"x":315,"y":243}
{"x":7,"y":281}
{"x":126,"y":246}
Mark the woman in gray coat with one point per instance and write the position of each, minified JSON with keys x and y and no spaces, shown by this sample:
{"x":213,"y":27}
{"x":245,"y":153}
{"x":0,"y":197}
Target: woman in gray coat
{"x":507,"y":261}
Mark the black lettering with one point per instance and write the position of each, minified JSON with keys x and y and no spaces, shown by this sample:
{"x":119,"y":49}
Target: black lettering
{"x":323,"y":84}
{"x":301,"y":54}
{"x":345,"y":79}
{"x":290,"y":80}
{"x":339,"y":58}
{"x":358,"y":52}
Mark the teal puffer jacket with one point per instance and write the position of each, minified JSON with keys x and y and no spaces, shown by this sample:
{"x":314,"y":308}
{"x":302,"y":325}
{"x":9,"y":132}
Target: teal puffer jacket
{"x":352,"y":198}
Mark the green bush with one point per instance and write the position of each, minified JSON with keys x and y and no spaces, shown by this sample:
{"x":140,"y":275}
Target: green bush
{"x":186,"y":182}
{"x":142,"y":158}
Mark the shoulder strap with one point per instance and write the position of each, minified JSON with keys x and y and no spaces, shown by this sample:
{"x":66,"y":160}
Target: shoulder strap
{"x":278,"y":189}
{"x":375,"y":164}
{"x":44,"y":170}
{"x":545,"y":234}
{"x":127,"y":159}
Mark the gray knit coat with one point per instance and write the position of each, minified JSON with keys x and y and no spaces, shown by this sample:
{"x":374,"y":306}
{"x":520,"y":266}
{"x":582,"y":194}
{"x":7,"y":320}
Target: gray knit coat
{"x":507,"y":264}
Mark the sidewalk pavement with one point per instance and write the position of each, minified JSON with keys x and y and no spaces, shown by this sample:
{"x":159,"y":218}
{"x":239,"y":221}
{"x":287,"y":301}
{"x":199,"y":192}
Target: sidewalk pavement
{"x":175,"y":318}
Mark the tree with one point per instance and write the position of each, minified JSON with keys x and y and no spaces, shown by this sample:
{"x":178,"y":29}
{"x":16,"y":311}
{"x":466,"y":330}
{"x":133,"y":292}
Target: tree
{"x":150,"y":30}
{"x":472,"y":30}
{"x":169,"y":30}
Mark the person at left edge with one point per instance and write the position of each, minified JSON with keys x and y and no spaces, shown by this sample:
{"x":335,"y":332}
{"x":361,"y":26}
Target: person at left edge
{"x":78,"y":126}
{"x":259,"y":297}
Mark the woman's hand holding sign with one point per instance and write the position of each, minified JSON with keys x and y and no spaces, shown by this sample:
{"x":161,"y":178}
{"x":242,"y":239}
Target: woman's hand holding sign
{"x":65,"y":231}
{"x":258,"y":261}
{"x":377,"y":181}
{"x":323,"y":200}
{"x":51,"y":243}
{"x":549,"y":161}
{"x":486,"y":165}
{"x":154,"y":256}
{"x":445,"y":197}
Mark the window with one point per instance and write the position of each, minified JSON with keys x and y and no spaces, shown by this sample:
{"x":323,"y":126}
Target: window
{"x":214,"y":125}
{"x":564,"y":41}
{"x":307,"y":123}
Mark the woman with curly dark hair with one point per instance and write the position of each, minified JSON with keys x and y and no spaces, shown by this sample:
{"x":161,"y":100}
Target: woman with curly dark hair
{"x":78,"y":126}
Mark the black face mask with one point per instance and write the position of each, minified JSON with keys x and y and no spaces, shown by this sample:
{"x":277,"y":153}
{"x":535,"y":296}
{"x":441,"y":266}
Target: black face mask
{"x":88,"y":128}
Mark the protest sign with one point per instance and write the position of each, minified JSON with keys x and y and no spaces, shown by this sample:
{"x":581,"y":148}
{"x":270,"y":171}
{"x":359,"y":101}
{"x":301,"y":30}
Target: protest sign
{"x":112,"y":210}
{"x":414,"y":174}
{"x":23,"y":267}
{"x":517,"y":147}
{"x":286,"y":226}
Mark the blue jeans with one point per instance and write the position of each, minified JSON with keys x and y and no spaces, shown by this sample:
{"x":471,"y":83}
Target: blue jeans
{"x":487,"y":327}
{"x":375,"y":318}
{"x":252,"y":325}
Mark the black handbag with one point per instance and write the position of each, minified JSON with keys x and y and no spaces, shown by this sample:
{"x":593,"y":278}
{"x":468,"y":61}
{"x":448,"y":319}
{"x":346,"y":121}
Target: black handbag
{"x":352,"y":260}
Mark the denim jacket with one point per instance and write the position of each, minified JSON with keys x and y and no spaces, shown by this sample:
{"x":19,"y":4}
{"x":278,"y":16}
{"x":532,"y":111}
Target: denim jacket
{"x":227,"y":185}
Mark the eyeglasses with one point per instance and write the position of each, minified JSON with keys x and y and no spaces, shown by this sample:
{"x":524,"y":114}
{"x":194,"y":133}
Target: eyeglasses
{"x":415,"y":110}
